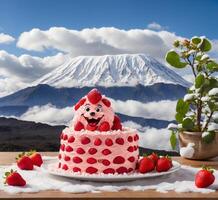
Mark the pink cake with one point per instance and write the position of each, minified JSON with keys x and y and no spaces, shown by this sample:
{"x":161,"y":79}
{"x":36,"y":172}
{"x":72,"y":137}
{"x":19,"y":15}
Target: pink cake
{"x":96,"y":142}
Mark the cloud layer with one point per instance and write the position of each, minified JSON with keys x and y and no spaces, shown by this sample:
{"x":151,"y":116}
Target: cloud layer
{"x":98,"y":41}
{"x":56,"y":116}
{"x":19,"y":71}
{"x":152,"y":138}
{"x":6,"y":39}
{"x":155,"y":26}
{"x":49,"y":114}
{"x":163,"y":110}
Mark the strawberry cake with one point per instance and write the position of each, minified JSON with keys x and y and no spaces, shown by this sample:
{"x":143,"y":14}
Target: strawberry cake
{"x":95,"y":141}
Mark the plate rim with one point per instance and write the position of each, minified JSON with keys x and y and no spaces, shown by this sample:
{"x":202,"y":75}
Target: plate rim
{"x":110,"y":177}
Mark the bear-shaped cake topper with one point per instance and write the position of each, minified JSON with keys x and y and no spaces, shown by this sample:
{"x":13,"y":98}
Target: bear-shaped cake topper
{"x":94,"y":112}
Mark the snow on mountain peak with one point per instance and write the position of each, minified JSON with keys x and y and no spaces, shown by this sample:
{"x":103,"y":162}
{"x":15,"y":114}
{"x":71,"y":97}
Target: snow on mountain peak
{"x":111,"y":70}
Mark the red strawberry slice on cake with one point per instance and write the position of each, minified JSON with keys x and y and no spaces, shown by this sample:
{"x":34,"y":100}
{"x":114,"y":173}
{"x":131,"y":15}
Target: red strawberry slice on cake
{"x":94,"y":96}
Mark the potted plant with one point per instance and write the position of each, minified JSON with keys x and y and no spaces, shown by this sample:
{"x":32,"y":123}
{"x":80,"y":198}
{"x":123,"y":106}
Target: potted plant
{"x":197,"y":112}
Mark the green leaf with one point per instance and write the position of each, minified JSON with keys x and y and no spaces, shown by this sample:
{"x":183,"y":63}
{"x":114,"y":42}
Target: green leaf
{"x":173,"y":140}
{"x":179,"y":117}
{"x":209,"y":137}
{"x":198,"y":58}
{"x":213,"y":106}
{"x":213,"y":82}
{"x":196,"y":40}
{"x":209,"y":84}
{"x":188,"y":124}
{"x":212,"y":66}
{"x":182,"y":107}
{"x":179,"y":105}
{"x":176,"y":43}
{"x":205,"y":45}
{"x":199,"y":81}
{"x":174,"y":60}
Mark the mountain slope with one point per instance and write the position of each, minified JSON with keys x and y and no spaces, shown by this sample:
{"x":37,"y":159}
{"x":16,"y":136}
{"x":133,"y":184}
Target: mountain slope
{"x":111,"y":70}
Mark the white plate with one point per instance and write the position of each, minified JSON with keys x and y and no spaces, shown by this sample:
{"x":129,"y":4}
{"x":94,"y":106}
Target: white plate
{"x":51,"y":168}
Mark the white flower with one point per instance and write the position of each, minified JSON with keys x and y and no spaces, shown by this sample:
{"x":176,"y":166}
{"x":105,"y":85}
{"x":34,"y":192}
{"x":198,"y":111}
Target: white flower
{"x":204,"y":134}
{"x":188,"y":97}
{"x":191,"y":51}
{"x":192,"y":88}
{"x":205,"y":56}
{"x":179,"y":125}
{"x":213,"y":92}
{"x":212,"y":127}
{"x":172,"y":126}
{"x":215,"y":115}
{"x":206,"y":98}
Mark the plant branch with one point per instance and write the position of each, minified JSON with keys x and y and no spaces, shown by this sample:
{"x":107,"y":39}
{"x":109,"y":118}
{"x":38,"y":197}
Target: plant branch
{"x":192,"y":66}
{"x":208,"y":120}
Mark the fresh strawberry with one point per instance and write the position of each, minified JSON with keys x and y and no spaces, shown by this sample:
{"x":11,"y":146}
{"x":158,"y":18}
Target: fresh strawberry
{"x":146,"y":165}
{"x":204,"y":177}
{"x":104,"y":126}
{"x":24,"y":162}
{"x":35,"y":157}
{"x":94,"y":96}
{"x":154,"y":157}
{"x":164,"y":164}
{"x":14,"y":178}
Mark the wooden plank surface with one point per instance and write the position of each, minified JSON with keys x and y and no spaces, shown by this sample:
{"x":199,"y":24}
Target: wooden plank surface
{"x":7,"y":158}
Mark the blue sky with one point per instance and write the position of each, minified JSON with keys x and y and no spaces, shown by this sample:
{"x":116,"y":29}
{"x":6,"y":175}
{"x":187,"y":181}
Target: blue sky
{"x":187,"y":18}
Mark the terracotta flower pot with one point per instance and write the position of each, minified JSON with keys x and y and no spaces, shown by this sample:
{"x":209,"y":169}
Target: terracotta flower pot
{"x":193,"y":147}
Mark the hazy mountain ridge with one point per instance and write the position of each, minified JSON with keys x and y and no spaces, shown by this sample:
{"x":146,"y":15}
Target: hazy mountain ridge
{"x":62,"y":97}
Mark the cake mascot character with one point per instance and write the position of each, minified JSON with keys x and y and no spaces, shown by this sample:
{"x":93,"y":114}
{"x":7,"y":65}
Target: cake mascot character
{"x":94,"y":112}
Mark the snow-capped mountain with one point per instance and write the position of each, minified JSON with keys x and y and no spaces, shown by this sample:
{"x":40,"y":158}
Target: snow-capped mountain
{"x":111,"y":70}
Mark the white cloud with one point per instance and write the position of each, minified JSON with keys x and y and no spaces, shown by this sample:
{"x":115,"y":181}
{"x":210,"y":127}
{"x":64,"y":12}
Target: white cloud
{"x":53,"y":115}
{"x":163,"y":110}
{"x":155,"y":26}
{"x":98,"y":41}
{"x":9,"y":85}
{"x":26,"y":67}
{"x":152,"y":138}
{"x":48,"y":114}
{"x":19,"y":71}
{"x":6,"y":39}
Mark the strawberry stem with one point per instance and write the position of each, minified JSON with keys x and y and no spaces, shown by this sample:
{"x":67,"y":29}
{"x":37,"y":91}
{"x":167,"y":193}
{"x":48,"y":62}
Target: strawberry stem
{"x":208,"y":168}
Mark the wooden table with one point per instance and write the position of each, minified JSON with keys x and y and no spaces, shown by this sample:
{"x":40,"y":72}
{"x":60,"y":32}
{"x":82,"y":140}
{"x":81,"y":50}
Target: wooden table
{"x":7,"y":158}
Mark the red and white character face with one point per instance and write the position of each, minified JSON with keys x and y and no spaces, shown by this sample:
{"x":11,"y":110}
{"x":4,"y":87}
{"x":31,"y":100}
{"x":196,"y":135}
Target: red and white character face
{"x":93,"y":112}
